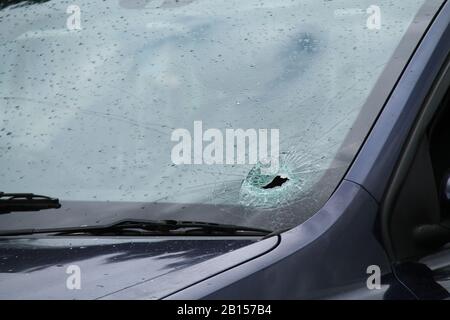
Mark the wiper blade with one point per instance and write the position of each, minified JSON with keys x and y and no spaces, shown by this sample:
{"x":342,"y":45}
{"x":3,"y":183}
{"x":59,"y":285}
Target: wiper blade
{"x":136,"y":227}
{"x":16,"y":202}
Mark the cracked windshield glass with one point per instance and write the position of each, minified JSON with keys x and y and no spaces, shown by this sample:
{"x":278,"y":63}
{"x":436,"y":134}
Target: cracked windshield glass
{"x":228,"y":111}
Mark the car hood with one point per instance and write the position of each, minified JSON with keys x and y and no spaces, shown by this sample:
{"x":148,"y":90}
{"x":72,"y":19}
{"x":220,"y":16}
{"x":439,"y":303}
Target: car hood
{"x":43,"y":268}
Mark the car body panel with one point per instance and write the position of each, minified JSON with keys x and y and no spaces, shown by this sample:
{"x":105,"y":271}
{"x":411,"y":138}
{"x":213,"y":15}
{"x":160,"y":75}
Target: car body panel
{"x":37,"y":268}
{"x":322,"y":258}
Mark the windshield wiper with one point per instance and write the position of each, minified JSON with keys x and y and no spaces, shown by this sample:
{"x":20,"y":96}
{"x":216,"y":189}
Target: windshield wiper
{"x":147,"y":228}
{"x":16,"y":202}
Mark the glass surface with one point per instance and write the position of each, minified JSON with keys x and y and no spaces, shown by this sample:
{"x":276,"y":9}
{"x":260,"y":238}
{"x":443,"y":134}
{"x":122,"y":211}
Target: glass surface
{"x":90,"y":97}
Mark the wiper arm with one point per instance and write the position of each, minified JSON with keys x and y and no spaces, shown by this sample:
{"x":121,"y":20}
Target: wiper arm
{"x":135,"y":227}
{"x":11,"y":202}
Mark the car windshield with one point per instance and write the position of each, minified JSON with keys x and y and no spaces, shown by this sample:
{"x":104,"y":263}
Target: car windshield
{"x":246,"y":112}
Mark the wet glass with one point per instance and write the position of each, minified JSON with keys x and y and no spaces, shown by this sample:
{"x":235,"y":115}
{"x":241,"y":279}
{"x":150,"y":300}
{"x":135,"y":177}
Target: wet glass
{"x":90,"y":96}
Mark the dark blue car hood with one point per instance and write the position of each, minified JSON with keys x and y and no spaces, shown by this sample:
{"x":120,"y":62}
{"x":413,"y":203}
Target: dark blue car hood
{"x":36,"y":268}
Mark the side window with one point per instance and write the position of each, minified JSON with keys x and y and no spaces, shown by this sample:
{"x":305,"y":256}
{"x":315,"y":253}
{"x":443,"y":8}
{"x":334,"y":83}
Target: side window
{"x":440,"y":156}
{"x":417,"y":228}
{"x":419,"y":222}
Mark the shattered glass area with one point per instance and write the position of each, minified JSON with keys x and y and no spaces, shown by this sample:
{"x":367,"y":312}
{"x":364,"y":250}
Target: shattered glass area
{"x":256,"y":189}
{"x":87,"y":115}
